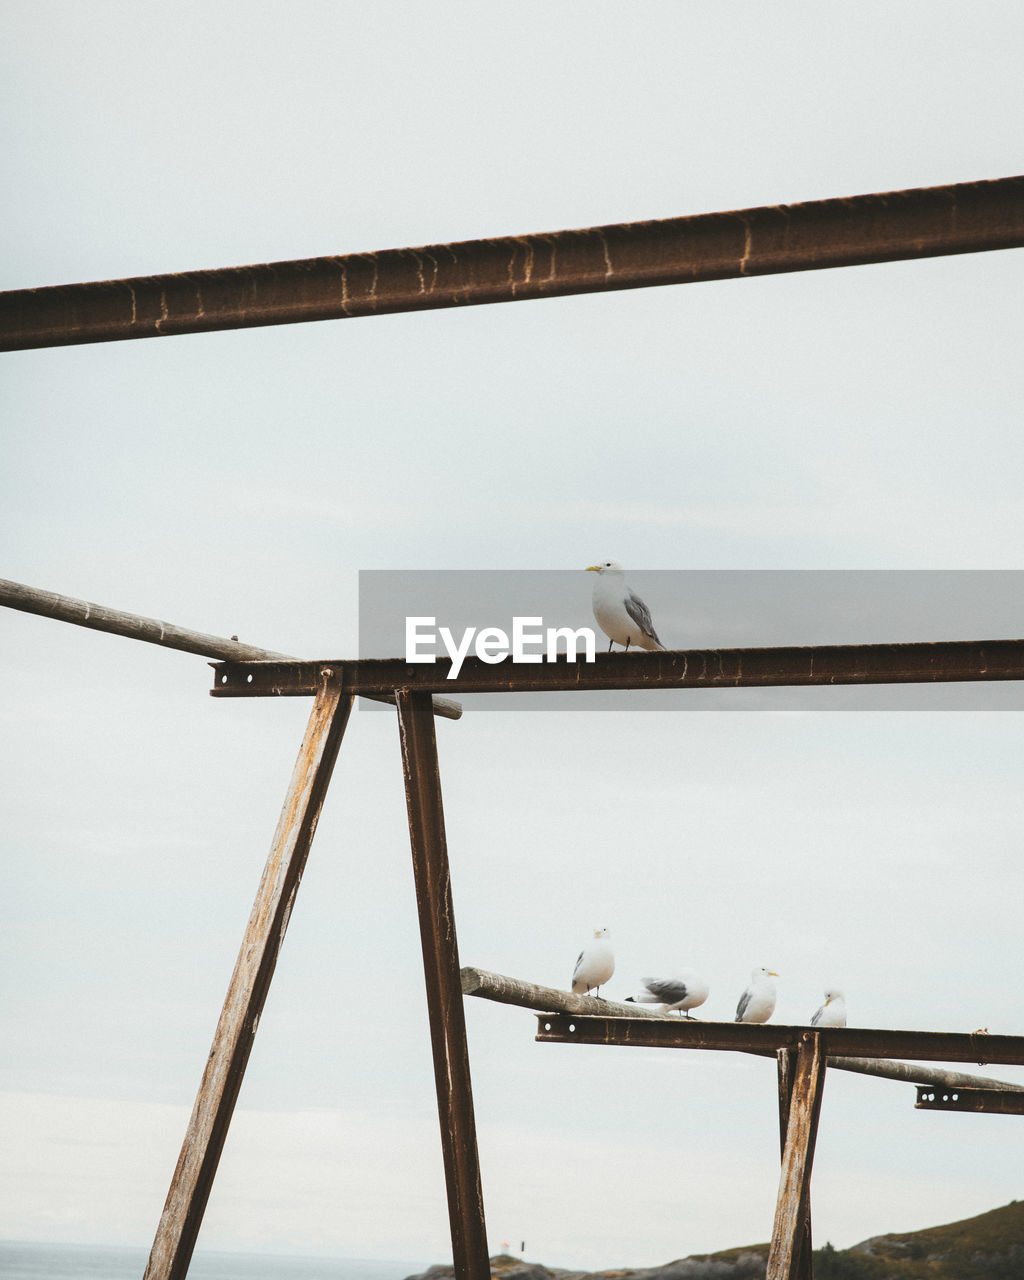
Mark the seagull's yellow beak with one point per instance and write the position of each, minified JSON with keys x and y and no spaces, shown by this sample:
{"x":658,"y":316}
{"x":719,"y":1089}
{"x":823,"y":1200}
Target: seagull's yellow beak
{"x":772,"y":974}
{"x":593,"y":568}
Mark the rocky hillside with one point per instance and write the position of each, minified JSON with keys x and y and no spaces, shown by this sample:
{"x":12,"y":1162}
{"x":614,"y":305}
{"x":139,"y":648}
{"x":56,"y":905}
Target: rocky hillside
{"x":989,"y":1247}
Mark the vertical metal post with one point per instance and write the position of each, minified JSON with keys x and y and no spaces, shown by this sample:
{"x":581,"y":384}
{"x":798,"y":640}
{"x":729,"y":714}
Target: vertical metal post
{"x":444,"y":986}
{"x":800,"y":1087}
{"x":218,"y":1091}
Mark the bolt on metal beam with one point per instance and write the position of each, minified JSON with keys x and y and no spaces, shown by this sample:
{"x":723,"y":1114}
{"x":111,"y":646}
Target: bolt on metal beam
{"x":967,"y":217}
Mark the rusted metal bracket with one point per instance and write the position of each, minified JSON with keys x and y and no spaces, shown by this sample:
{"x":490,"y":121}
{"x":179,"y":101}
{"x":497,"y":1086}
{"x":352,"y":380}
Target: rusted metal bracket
{"x":222,"y":1079}
{"x":995,"y":1101}
{"x":856,"y":664}
{"x":966,"y":217}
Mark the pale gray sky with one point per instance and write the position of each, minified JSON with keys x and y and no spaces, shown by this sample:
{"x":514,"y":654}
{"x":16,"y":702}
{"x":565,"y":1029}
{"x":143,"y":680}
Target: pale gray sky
{"x":865,"y":418}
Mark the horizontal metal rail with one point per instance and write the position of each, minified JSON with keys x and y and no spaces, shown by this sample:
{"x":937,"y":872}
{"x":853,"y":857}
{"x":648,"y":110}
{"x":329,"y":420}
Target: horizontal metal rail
{"x":528,"y":995}
{"x":99,"y":617}
{"x":967,"y":217}
{"x":862,"y":664}
{"x":857,"y":1042}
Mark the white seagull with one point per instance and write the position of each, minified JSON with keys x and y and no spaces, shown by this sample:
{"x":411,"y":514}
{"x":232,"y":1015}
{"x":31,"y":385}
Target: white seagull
{"x":757,"y":1003}
{"x":833,"y":1012}
{"x":595,"y":965}
{"x":685,"y":992}
{"x":620,"y":613}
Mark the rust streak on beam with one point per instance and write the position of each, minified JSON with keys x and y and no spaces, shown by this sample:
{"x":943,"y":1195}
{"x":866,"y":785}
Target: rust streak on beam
{"x":966,"y":217}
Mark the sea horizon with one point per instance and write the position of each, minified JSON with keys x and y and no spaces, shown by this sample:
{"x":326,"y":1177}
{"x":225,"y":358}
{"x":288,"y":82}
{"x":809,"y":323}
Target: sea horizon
{"x":48,"y":1260}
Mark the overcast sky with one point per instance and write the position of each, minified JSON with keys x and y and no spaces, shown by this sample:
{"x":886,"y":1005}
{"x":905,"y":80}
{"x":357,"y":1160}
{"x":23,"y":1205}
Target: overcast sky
{"x":863,"y":418}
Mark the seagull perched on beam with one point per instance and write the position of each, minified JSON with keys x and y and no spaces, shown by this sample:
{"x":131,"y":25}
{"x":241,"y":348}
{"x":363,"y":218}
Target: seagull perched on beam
{"x":620,"y":613}
{"x":833,"y":1012}
{"x":757,"y":1003}
{"x":685,"y":992}
{"x":595,"y":965}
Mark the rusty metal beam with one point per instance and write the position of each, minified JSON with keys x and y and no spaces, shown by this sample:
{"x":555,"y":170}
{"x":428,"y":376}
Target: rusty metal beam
{"x":859,"y":1042}
{"x":856,"y":664}
{"x":791,"y":1229}
{"x":995,"y":1101}
{"x":444,"y":988}
{"x":222,"y":1079}
{"x":528,"y":995}
{"x":966,"y":217}
{"x":100,"y":617}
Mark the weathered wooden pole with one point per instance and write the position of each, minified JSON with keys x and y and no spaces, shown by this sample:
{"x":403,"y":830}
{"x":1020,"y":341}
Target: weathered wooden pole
{"x":803,"y":1267}
{"x":232,"y":1043}
{"x":444,"y":989}
{"x":788,"y":1231}
{"x":100,"y":617}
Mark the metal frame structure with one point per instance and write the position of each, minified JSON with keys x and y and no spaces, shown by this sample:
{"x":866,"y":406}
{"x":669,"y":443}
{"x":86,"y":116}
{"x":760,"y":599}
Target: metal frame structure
{"x":803,"y":1055}
{"x":964,"y":218}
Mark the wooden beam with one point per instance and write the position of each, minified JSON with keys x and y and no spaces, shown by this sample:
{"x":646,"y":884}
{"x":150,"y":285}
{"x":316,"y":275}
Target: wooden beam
{"x":218,"y":1092}
{"x":100,"y":617}
{"x":527,"y":995}
{"x":808,"y":1078}
{"x":444,"y":990}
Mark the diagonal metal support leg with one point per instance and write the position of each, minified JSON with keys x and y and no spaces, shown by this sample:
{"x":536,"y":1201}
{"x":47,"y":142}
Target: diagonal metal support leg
{"x":800,"y":1088}
{"x":444,"y":986}
{"x":250,"y":982}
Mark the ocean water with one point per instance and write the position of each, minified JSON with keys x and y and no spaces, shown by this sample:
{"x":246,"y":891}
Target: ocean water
{"x":21,"y":1260}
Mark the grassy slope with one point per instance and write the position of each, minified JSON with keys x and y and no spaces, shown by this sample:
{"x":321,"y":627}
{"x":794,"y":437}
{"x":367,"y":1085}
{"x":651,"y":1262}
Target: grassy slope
{"x":988,"y":1247}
